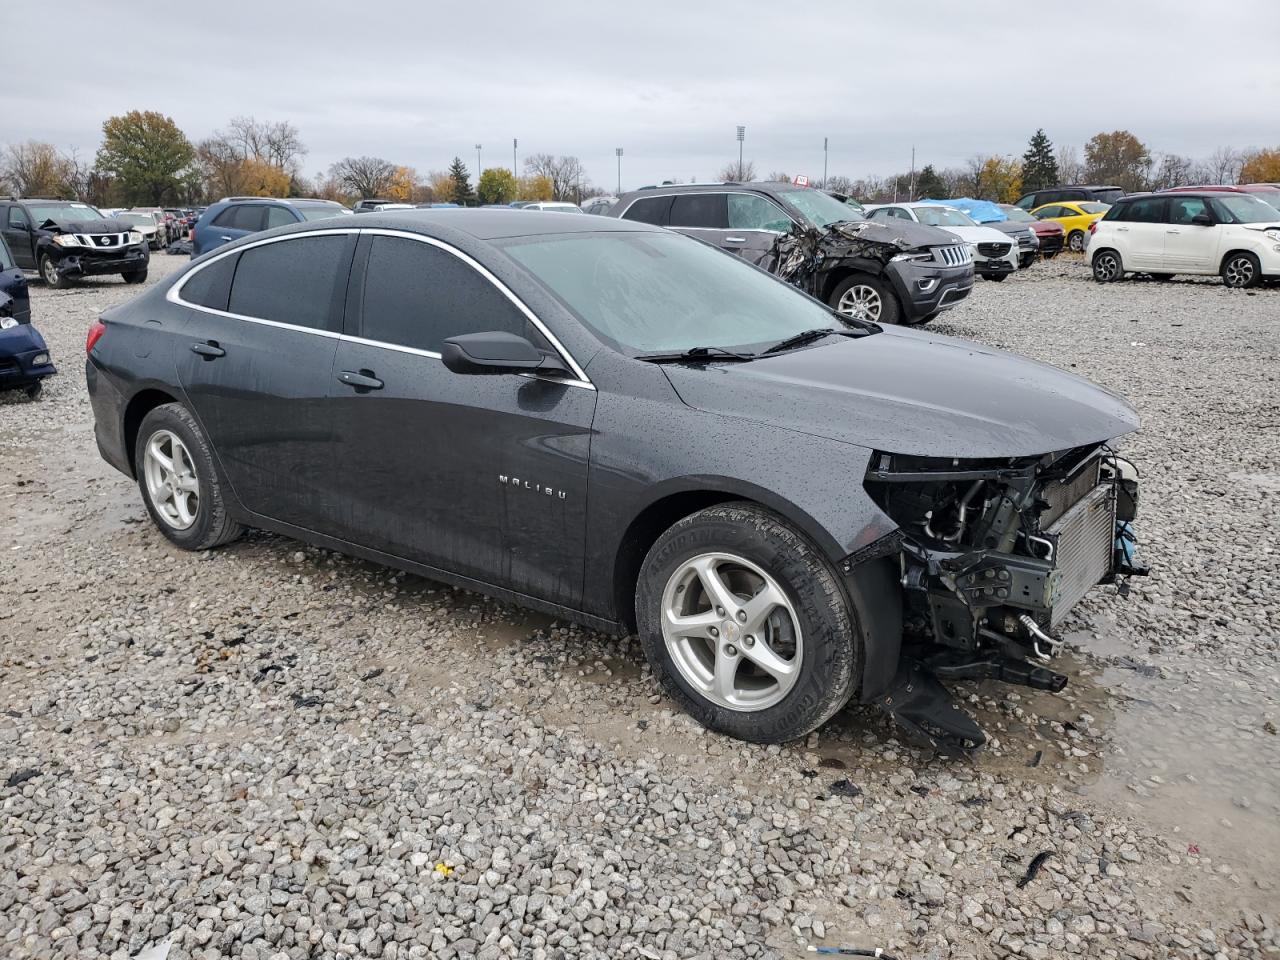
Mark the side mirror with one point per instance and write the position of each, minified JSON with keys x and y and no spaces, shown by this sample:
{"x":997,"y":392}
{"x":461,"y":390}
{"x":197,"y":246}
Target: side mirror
{"x":1202,"y":220}
{"x":497,"y":352}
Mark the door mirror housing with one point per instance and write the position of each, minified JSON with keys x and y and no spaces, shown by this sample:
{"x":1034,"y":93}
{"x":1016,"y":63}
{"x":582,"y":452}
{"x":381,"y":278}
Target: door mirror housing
{"x":497,"y":352}
{"x":1202,"y":220}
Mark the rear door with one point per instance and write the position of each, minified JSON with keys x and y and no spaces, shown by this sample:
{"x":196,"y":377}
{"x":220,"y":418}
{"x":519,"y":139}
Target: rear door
{"x":705,"y":216}
{"x":1145,"y":227}
{"x":236,"y":221}
{"x":17,"y":232}
{"x":256,"y":361}
{"x":1191,"y":247}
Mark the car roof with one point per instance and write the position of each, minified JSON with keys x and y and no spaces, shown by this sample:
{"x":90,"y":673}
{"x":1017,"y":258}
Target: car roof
{"x":481,"y":223}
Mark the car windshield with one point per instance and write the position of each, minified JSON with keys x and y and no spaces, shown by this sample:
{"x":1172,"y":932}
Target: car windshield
{"x":142,"y":219}
{"x":318,"y":212}
{"x":664,"y":293}
{"x":63,"y":211}
{"x":942,"y":217}
{"x":1094,"y":207}
{"x":1017,"y":214}
{"x":1242,"y":208}
{"x":817,"y":208}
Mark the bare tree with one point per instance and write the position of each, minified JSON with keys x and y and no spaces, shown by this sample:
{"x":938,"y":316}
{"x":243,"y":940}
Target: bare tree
{"x":365,"y":176}
{"x":743,"y":172}
{"x":35,"y":168}
{"x":1221,"y":166}
{"x":1070,"y":168}
{"x":275,"y":143}
{"x":1171,"y":171}
{"x":780,"y":176}
{"x":840,"y":184}
{"x":567,"y":176}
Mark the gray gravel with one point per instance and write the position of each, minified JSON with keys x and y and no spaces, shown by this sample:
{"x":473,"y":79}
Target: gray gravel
{"x":272,"y":751}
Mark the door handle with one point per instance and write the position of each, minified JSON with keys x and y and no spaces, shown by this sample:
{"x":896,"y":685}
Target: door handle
{"x":224,"y":238}
{"x":1122,"y":229}
{"x":1173,"y":231}
{"x":363,"y":380}
{"x":210,"y":350}
{"x":735,"y":239}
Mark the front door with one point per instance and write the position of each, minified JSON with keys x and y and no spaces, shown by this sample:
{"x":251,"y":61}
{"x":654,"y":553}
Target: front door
{"x":1189,"y":246}
{"x":17,"y":232}
{"x":484,"y":476}
{"x":257,"y":372}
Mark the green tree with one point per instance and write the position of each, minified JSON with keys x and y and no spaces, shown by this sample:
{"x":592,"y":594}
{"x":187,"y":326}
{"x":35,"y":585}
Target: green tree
{"x":146,"y":153}
{"x":1039,"y":166}
{"x":462,"y":192}
{"x":930,"y":186}
{"x":1117,"y":157}
{"x":497,"y":185}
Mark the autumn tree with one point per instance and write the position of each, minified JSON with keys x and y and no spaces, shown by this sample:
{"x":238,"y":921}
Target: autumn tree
{"x":1261,"y":166}
{"x":1039,"y":166}
{"x":535,"y":187}
{"x":1119,"y":158}
{"x":461,"y":178}
{"x":404,"y":186}
{"x":497,"y":185}
{"x":261,"y":179}
{"x":998,"y":179}
{"x":36,"y":169}
{"x":929,"y":185}
{"x":146,"y":153}
{"x":565,"y":173}
{"x":366,"y":177}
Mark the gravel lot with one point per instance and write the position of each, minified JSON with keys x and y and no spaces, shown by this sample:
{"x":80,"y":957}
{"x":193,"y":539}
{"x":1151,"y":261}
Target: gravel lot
{"x":272,"y":751}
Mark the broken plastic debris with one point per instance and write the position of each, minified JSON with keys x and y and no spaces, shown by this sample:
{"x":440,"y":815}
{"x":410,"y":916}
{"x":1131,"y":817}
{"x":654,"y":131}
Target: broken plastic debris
{"x":1036,"y":863}
{"x":159,"y":952}
{"x":444,"y":870}
{"x":846,"y":788}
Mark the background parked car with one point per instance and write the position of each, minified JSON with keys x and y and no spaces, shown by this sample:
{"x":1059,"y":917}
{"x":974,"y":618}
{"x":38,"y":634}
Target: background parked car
{"x":147,"y":224}
{"x":598,"y":206}
{"x":988,"y":214}
{"x":1234,"y":235}
{"x":368,"y":205}
{"x":1075,"y":219}
{"x":235,"y":217}
{"x":1073,"y":192}
{"x":13,"y":284}
{"x":24,"y":356}
{"x":1049,"y":233}
{"x":1268,"y":192}
{"x":66,"y":239}
{"x":995,"y":255}
{"x":553,"y":206}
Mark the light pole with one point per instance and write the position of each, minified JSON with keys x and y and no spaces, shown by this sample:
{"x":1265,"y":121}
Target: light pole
{"x":477,"y":163}
{"x":824,"y":163}
{"x":618,"y":152}
{"x":742,"y":132}
{"x":514,"y":143}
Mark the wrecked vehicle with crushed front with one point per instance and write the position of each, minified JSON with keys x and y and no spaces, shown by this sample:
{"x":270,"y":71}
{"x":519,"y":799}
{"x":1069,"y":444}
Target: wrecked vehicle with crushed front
{"x":624,"y":427}
{"x":65,"y":240}
{"x":900,"y":272}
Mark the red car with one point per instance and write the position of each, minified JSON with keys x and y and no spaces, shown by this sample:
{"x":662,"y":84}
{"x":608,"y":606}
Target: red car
{"x":1048,"y":232}
{"x":1269,"y":192}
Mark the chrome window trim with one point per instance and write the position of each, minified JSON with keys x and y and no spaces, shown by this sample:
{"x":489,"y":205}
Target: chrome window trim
{"x":173,"y":295}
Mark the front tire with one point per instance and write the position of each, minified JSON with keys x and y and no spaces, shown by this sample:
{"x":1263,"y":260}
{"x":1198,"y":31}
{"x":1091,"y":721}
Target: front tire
{"x":1241,"y":270}
{"x":180,"y":483}
{"x":49,"y":273}
{"x":865,"y":298}
{"x":1076,"y":241}
{"x":995,"y":277}
{"x":135,"y":276}
{"x":745,"y":624}
{"x":1107,"y":266}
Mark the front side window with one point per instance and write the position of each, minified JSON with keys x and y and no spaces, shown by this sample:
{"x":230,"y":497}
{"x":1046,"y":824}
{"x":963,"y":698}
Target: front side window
{"x":662,"y":292}
{"x":279,"y":217}
{"x":747,"y":211}
{"x":649,"y":210}
{"x":17,"y":218}
{"x":418,"y":295}
{"x":297,"y":281}
{"x":705,"y":211}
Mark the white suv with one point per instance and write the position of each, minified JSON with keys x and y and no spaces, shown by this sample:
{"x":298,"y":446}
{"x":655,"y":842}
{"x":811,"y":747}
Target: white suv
{"x":995,"y":254}
{"x":1232,"y":234}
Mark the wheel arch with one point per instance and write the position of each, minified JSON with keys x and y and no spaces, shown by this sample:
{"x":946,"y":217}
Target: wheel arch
{"x":140,"y":404}
{"x":1222,"y":264}
{"x":846,"y":269}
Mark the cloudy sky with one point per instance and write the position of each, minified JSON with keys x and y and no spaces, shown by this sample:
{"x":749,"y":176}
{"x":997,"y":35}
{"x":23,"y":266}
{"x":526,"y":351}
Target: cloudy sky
{"x":419,"y":82}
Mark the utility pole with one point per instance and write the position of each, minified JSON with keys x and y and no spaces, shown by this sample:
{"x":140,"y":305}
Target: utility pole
{"x":477,"y":163}
{"x":742,"y":132}
{"x":824,"y":163}
{"x":514,"y":144}
{"x":618,"y":151}
{"x":912,"y":188}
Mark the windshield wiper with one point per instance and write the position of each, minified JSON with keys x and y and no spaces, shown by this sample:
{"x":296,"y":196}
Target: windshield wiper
{"x":809,"y":336}
{"x":696,"y":355}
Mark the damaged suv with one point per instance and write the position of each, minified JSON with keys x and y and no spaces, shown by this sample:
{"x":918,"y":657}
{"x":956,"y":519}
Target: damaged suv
{"x":901,"y":273}
{"x":63,"y":240}
{"x":624,"y":427}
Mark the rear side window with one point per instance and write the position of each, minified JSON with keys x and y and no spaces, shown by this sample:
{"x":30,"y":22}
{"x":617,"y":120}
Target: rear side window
{"x":706,"y":211}
{"x":1184,"y":209}
{"x":279,"y":217}
{"x":1147,"y":210}
{"x":649,"y":210}
{"x":241,"y":216}
{"x":211,"y":286}
{"x":300,"y":282}
{"x":417,"y":295}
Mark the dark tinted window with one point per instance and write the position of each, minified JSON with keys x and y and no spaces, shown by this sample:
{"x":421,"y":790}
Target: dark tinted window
{"x":1147,"y":210}
{"x":17,"y":218}
{"x":211,"y":286}
{"x":301,"y":282}
{"x":279,"y":217}
{"x":6,"y":262}
{"x":705,"y":210}
{"x":649,"y":210}
{"x":241,"y":216}
{"x":417,"y":295}
{"x":1183,"y":209}
{"x":1108,"y":196}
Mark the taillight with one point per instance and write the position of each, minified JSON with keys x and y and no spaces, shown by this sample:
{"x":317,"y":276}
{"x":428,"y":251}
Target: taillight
{"x":95,"y":334}
{"x":1093,"y":227}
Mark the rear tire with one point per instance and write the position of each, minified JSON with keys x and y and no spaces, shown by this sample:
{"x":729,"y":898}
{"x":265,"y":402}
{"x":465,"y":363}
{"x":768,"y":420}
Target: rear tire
{"x":867,"y":298}
{"x":1241,"y":270}
{"x":1076,"y":241}
{"x":996,"y":277}
{"x":135,"y":276}
{"x":202,"y":521}
{"x":1107,"y":266}
{"x":49,"y":273}
{"x":801,"y":660}
{"x":1162,"y":277}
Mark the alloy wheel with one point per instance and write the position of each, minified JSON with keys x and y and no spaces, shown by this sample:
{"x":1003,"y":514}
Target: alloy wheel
{"x":1238,"y":272}
{"x":49,"y":272}
{"x":171,"y":481}
{"x":731,"y":632}
{"x":861,"y":302}
{"x":1106,"y":267}
{"x":1076,"y":241}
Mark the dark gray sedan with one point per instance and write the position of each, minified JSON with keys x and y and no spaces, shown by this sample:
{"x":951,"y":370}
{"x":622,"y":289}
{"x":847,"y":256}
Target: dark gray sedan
{"x":624,"y":427}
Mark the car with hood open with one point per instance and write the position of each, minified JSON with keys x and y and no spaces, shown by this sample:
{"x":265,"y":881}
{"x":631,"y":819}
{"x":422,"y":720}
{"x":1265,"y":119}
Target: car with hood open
{"x":904,"y":273}
{"x":995,"y":255}
{"x":64,"y":240}
{"x":622,"y":426}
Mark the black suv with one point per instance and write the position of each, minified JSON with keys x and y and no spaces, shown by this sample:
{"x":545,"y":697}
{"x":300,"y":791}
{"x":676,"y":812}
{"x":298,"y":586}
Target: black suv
{"x":65,"y":239}
{"x":1070,"y":194}
{"x":905,"y":273}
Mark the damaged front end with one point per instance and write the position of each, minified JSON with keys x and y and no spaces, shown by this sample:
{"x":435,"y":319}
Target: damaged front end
{"x":993,"y":555}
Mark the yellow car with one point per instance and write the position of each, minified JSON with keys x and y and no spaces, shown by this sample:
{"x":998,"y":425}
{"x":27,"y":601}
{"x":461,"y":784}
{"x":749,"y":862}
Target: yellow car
{"x":1075,"y":217}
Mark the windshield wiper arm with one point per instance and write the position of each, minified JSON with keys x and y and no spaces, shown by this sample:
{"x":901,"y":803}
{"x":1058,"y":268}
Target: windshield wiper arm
{"x":809,"y":336}
{"x":696,"y":355}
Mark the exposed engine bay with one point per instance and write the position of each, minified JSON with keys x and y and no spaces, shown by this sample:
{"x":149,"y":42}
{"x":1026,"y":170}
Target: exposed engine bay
{"x":993,"y":555}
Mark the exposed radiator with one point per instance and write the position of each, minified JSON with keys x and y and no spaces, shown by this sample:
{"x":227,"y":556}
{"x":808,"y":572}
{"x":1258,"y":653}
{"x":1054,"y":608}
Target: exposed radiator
{"x":1084,"y":538}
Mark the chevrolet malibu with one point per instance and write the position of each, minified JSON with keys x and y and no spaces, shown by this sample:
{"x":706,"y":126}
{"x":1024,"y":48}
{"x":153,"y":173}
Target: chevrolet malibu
{"x":623,"y":427}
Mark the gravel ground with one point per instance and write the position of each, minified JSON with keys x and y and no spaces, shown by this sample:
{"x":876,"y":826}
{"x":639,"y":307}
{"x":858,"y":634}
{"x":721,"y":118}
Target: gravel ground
{"x":271,"y":751}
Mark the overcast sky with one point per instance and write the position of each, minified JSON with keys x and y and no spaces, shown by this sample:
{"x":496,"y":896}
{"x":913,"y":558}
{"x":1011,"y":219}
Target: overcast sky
{"x":422,"y":82}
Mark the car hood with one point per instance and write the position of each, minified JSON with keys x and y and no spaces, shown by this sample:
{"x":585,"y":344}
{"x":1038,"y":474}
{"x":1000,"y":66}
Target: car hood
{"x":903,"y":234}
{"x":978,"y":234}
{"x":1046,"y":226}
{"x":106,"y":225}
{"x":1009,"y":227}
{"x":909,"y":392}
